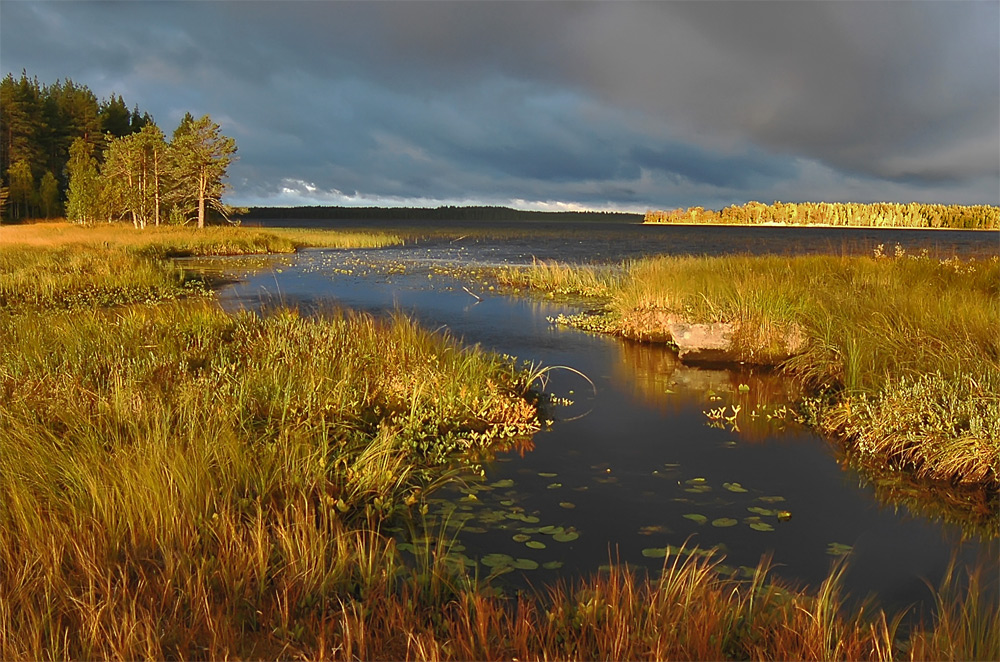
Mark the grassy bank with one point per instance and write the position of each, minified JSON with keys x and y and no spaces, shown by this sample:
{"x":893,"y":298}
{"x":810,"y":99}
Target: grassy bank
{"x":176,"y":482}
{"x":63,"y":265}
{"x":900,"y":353}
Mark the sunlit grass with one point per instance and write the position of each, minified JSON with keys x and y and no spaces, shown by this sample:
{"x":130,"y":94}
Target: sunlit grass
{"x":60,"y":265}
{"x":176,"y":241}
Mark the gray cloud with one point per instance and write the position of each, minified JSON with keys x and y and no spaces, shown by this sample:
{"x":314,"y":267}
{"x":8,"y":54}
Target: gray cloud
{"x":640,"y":104}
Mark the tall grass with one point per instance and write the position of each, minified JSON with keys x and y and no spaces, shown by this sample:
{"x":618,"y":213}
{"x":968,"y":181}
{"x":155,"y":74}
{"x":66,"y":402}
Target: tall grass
{"x":171,"y":473}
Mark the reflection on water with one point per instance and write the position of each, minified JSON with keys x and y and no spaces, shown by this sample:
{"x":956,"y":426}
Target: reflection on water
{"x":637,"y":463}
{"x":750,"y":401}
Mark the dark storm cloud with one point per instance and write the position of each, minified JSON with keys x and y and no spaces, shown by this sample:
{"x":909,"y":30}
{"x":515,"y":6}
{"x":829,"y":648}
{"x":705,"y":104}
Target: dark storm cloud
{"x":630,"y":104}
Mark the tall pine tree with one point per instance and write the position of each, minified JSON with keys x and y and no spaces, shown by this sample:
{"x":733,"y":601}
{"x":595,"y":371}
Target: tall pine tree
{"x":199,"y":158}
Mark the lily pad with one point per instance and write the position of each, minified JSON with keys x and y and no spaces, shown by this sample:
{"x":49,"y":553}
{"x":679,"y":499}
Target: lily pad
{"x":771,"y":499}
{"x":521,"y":537}
{"x":654,"y":552}
{"x":552,"y":565}
{"x":497,"y":560}
{"x":567,"y":504}
{"x":734,"y":487}
{"x":554,"y":486}
{"x":696,"y":481}
{"x":549,"y":530}
{"x":723,"y":522}
{"x":525,"y":564}
{"x":761,"y":526}
{"x":767,"y":512}
{"x":505,"y":482}
{"x":547,"y":474}
{"x":565,"y":536}
{"x":695,"y":517}
{"x":535,"y":544}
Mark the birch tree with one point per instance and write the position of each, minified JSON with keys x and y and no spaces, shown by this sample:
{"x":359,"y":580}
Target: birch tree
{"x":83,"y":197}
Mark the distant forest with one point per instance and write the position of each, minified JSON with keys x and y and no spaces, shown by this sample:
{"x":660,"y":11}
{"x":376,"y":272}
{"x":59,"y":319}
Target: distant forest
{"x":449,"y":213}
{"x":879,"y":215}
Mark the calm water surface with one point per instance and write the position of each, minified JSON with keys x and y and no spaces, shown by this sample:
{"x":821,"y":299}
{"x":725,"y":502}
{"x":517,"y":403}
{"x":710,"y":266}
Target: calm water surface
{"x":633,"y":465}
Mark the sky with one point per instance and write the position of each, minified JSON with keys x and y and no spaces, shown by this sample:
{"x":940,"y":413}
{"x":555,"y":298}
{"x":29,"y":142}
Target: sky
{"x":553,"y":105}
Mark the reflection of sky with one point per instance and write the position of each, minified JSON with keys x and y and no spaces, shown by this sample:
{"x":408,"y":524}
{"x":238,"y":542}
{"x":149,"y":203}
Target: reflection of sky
{"x":632,"y":459}
{"x":553,"y":105}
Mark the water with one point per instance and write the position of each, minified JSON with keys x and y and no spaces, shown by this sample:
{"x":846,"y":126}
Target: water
{"x":633,"y":465}
{"x":513,"y":242}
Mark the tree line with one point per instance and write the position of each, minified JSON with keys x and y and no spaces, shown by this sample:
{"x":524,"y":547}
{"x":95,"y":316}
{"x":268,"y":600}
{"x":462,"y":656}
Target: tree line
{"x":470,"y":214}
{"x":849,"y":214}
{"x":98,"y":161}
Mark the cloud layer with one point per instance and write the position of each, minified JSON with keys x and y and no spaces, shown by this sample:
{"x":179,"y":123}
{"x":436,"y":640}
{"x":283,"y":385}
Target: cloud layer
{"x":602,"y":105}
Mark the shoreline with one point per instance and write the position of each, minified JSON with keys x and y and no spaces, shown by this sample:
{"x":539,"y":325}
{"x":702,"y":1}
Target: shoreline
{"x":828,"y":226}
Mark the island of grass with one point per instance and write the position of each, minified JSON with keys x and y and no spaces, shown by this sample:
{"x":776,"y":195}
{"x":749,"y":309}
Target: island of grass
{"x":178,"y":482}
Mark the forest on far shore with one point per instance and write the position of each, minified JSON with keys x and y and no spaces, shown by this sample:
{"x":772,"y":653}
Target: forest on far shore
{"x":849,"y":214}
{"x":471,"y":214}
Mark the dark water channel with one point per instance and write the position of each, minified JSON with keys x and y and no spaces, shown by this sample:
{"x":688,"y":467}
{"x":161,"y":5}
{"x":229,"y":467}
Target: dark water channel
{"x":634,"y":465}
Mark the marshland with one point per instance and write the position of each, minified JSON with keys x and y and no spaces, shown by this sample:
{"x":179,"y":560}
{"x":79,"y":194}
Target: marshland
{"x":276,"y":442}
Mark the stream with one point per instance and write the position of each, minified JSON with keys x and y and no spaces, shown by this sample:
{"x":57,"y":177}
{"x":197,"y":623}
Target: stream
{"x":644,"y":460}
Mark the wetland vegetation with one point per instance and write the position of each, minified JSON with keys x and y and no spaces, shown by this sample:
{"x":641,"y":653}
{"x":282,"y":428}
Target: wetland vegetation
{"x":182,"y":482}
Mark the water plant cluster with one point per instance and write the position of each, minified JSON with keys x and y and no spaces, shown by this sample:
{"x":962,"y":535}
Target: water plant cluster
{"x":178,"y":482}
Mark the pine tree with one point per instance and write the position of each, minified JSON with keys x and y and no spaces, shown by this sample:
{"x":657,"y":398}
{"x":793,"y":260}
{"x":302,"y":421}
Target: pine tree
{"x":199,"y":158}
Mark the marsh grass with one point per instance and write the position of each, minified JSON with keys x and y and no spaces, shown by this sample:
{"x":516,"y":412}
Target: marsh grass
{"x":172,"y":474}
{"x":60,"y":265}
{"x":903,"y":350}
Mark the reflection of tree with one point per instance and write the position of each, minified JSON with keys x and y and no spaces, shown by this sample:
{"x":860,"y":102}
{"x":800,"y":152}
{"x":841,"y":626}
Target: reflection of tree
{"x":657,"y":377}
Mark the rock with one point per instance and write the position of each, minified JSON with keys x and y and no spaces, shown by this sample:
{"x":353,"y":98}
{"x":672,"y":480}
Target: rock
{"x":705,"y":343}
{"x":714,"y":342}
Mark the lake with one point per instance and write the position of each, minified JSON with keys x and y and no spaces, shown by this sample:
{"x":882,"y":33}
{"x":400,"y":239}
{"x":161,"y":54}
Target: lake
{"x":644,"y":458}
